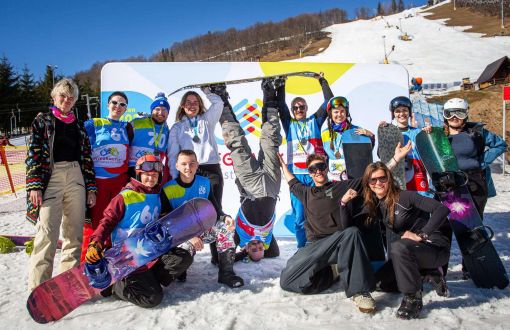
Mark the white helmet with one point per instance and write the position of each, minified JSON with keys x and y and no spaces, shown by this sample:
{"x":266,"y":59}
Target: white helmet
{"x":456,"y":104}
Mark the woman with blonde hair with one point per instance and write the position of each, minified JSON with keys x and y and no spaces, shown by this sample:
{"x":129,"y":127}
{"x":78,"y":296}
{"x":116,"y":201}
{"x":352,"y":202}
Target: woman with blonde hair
{"x":60,"y":181}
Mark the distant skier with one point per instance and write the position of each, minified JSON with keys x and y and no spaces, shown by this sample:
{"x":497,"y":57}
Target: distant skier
{"x":303,"y":138}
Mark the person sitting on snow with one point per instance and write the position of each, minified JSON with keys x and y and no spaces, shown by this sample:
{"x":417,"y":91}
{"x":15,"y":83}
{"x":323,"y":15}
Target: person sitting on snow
{"x":188,"y":185}
{"x":126,"y":211}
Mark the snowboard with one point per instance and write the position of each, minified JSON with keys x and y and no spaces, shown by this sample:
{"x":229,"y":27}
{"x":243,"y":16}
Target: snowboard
{"x":388,"y":137}
{"x":357,"y":153}
{"x":21,"y":240}
{"x":480,"y":257}
{"x":247,"y":80}
{"x":60,"y":295}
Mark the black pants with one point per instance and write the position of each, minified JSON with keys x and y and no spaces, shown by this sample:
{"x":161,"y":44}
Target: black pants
{"x":409,"y":257}
{"x":309,"y":271}
{"x":144,"y":288}
{"x":477,"y":185}
{"x":213,"y":172}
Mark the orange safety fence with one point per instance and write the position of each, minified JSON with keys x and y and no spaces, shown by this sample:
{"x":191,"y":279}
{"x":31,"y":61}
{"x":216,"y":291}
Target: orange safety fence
{"x":12,"y":169}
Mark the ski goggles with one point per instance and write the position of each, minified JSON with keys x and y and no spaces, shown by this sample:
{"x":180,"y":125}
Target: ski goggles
{"x":150,"y":167}
{"x":336,"y":102}
{"x":317,"y":167}
{"x":459,"y":113}
{"x":120,"y":104}
{"x":381,"y":179}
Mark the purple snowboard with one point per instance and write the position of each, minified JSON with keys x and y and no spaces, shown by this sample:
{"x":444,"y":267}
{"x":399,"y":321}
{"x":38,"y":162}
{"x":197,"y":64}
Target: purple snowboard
{"x":60,"y":295}
{"x":21,"y":240}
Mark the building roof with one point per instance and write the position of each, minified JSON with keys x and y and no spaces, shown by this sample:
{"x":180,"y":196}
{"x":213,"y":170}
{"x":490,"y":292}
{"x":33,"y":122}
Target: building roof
{"x":491,"y":69}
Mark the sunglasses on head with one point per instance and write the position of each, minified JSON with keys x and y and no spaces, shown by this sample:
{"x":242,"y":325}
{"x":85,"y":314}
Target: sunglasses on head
{"x":336,"y":102}
{"x":459,"y":113}
{"x":150,"y":167}
{"x":314,"y":168}
{"x":300,"y":107}
{"x":381,"y":179}
{"x":122,"y":104}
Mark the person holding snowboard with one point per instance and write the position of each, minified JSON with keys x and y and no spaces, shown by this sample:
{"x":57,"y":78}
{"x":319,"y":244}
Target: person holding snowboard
{"x":60,"y":183}
{"x":303,"y":138}
{"x":331,"y":247}
{"x":413,"y":217}
{"x":188,"y":185}
{"x":338,"y":121}
{"x":258,"y":178}
{"x":137,"y":205}
{"x":194,"y":130}
{"x":151,"y":135}
{"x":401,"y":109}
{"x":109,"y":139}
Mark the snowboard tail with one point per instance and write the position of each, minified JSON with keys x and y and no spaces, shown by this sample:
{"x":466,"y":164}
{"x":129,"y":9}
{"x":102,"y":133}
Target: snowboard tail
{"x":357,"y":152}
{"x":389,"y":136}
{"x":60,"y":295}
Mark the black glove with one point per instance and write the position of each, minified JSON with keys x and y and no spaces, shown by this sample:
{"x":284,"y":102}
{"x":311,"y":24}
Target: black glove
{"x":268,"y":90}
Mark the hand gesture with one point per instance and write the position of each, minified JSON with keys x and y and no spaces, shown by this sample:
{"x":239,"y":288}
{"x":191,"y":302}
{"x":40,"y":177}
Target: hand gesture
{"x":280,"y":158}
{"x":427,"y":128}
{"x":229,"y":223}
{"x":401,"y":152}
{"x":383,"y":123}
{"x":197,"y":243}
{"x":362,"y":131}
{"x":349,"y":195}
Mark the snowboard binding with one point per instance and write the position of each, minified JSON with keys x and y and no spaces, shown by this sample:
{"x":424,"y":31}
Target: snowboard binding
{"x":98,"y":274}
{"x":478,"y":236}
{"x":445,"y":181}
{"x":158,"y":235}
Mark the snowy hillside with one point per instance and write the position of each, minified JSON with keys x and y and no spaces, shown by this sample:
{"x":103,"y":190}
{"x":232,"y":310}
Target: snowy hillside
{"x":437,"y":53}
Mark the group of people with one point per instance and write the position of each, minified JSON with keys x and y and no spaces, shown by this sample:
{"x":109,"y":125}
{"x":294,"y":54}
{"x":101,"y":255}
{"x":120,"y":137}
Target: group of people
{"x":365,"y":232}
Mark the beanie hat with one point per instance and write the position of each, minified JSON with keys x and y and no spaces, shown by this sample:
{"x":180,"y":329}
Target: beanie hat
{"x":160,"y":101}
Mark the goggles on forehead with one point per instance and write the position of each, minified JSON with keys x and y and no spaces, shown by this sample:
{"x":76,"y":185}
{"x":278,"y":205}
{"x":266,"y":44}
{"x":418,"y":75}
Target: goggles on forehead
{"x":150,"y":167}
{"x":336,"y":102}
{"x":459,"y":113}
{"x":314,"y":168}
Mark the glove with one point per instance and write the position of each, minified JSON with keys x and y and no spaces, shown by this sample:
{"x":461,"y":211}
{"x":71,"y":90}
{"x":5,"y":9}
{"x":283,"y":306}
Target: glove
{"x":94,"y":252}
{"x":268,"y":90}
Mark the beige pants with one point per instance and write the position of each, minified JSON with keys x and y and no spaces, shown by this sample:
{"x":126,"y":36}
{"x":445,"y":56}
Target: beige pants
{"x":63,"y":204}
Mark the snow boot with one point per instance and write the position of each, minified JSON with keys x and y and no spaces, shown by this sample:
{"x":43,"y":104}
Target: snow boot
{"x":226,"y":273}
{"x":410,"y":307}
{"x":436,"y":278}
{"x":364,"y":302}
{"x":214,"y":254}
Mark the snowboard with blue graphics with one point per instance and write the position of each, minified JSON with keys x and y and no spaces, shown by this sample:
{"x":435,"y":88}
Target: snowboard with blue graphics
{"x":357,"y":153}
{"x":60,"y":295}
{"x":474,"y":239}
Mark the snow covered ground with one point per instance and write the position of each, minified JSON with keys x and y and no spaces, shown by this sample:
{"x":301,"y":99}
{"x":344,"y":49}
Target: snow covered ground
{"x":438,"y":54}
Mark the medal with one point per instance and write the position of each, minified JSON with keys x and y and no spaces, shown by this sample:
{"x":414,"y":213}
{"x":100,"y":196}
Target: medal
{"x":196,"y":139}
{"x":303,"y":141}
{"x":338,"y":155}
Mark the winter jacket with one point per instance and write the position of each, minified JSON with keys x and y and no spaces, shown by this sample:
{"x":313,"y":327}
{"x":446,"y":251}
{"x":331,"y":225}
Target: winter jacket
{"x":39,"y":162}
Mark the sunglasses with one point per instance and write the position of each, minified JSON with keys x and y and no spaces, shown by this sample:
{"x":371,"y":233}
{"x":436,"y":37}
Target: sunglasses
{"x":459,"y":113}
{"x":337,"y":102}
{"x":122,"y":104}
{"x":150,"y":167}
{"x":381,"y":179}
{"x":314,"y":168}
{"x":300,"y":107}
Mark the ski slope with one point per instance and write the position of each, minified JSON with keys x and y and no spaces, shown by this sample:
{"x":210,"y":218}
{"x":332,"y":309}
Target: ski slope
{"x":438,"y":54}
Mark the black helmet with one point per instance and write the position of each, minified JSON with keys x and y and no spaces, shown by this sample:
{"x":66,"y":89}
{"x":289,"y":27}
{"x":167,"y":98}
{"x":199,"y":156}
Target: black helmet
{"x":401,"y":101}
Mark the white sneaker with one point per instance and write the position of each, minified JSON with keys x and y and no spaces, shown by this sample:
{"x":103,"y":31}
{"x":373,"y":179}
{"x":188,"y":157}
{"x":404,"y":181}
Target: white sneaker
{"x":365,"y":302}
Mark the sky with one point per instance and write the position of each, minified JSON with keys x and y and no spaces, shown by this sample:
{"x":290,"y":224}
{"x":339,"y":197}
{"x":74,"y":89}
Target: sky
{"x":73,"y":35}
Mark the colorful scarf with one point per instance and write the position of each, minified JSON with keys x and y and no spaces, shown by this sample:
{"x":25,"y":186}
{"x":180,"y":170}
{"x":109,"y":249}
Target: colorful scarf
{"x":66,"y":118}
{"x":340,"y":127}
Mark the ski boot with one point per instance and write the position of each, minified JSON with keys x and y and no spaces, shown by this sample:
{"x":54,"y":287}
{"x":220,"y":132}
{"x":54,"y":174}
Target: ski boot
{"x":226,"y":273}
{"x":410,"y":307}
{"x":436,"y":278}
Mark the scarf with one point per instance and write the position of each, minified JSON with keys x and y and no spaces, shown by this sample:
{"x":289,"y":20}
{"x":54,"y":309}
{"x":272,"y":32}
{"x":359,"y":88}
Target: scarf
{"x":340,"y":127}
{"x":66,"y":118}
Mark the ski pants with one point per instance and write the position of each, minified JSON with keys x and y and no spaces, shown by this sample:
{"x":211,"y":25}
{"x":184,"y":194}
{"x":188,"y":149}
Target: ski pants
{"x":298,"y":211}
{"x":63,"y":207}
{"x":309,"y":270}
{"x":106,"y":190}
{"x":144,"y":288}
{"x":409,"y":257}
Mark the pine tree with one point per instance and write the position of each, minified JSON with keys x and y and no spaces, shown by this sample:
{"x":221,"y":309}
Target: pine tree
{"x":393,"y":6}
{"x":8,"y":82}
{"x":401,"y":6}
{"x":45,"y":86}
{"x":27,"y":86}
{"x":380,"y":9}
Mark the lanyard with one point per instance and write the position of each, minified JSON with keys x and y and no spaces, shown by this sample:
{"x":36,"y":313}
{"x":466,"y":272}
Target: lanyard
{"x":194,"y":125}
{"x":338,"y":145}
{"x":156,"y":137}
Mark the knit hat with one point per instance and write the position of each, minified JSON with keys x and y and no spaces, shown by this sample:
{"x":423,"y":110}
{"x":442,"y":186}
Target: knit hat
{"x":160,"y":101}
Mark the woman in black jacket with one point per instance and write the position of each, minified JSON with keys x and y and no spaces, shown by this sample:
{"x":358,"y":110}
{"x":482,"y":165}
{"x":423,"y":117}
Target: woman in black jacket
{"x":416,"y":220}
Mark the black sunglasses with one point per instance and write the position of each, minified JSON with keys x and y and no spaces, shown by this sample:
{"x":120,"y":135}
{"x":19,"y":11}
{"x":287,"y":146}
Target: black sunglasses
{"x":122,"y":104}
{"x":381,"y":179}
{"x":300,"y":107}
{"x":314,"y":168}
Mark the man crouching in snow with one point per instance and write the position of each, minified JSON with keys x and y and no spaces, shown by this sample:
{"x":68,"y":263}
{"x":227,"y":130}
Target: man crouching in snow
{"x":332,"y":249}
{"x":143,"y":286}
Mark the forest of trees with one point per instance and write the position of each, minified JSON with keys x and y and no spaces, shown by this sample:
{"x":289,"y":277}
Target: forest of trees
{"x":487,"y":7}
{"x":23,"y":97}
